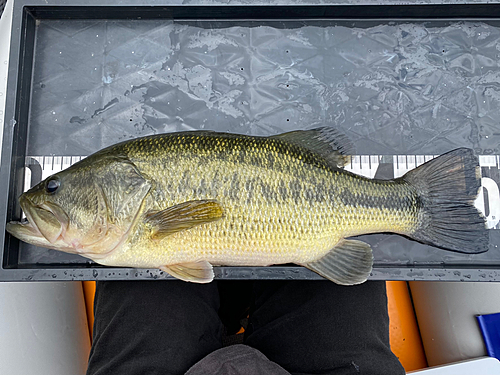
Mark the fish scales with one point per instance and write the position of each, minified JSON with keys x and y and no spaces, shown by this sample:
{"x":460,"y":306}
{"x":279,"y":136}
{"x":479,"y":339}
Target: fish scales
{"x":280,"y":202}
{"x":183,"y":202}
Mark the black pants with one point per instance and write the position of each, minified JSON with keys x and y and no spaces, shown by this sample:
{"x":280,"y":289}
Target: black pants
{"x":307,"y":327}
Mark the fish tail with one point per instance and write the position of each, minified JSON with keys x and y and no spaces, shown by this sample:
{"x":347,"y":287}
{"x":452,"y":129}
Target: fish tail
{"x":447,"y":187}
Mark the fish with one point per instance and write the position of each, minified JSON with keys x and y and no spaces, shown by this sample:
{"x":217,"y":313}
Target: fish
{"x":185,"y":202}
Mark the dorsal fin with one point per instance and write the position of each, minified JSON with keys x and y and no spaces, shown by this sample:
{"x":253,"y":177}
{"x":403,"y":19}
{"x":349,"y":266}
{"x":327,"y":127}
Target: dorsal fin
{"x":326,"y":141}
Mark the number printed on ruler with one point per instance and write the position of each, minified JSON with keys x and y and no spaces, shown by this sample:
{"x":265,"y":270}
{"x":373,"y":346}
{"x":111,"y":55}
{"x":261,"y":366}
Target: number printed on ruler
{"x":372,"y":166}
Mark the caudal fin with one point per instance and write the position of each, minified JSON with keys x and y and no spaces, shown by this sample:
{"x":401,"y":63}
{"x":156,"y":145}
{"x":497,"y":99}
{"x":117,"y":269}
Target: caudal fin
{"x":448,"y":186}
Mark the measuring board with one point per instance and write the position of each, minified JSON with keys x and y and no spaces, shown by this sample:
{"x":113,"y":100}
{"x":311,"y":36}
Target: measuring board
{"x":372,"y":166}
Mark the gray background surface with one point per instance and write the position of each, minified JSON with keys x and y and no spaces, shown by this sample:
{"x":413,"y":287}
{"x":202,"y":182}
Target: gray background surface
{"x":393,"y":88}
{"x":409,"y":88}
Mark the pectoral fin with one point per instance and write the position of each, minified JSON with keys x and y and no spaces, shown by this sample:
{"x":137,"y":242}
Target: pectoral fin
{"x":183,"y":216}
{"x":197,"y":272}
{"x":348,"y":263}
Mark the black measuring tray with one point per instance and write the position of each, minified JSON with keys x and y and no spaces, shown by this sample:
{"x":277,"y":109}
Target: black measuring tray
{"x":405,"y":83}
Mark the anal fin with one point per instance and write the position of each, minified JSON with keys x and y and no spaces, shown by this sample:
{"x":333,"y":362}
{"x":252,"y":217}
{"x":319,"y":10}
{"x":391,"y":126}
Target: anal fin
{"x":348,"y":263}
{"x":196,"y":272}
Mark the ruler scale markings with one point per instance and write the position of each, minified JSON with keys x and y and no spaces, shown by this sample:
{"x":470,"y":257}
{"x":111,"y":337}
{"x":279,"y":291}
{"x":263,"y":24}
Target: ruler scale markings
{"x":401,"y":162}
{"x":47,"y":163}
{"x":66,"y":162}
{"x":39,"y":159}
{"x":365,"y":160}
{"x":411,"y":162}
{"x":57,"y":163}
{"x":365,"y":165}
{"x":487,"y":161}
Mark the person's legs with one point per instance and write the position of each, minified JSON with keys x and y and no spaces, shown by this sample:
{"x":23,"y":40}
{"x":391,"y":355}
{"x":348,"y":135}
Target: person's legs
{"x":153,"y":327}
{"x":318,"y":327}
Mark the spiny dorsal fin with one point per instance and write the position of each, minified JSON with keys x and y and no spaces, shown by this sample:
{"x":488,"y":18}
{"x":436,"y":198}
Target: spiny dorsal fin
{"x":348,"y":263}
{"x":183,"y":216}
{"x":197,"y":272}
{"x":328,"y":142}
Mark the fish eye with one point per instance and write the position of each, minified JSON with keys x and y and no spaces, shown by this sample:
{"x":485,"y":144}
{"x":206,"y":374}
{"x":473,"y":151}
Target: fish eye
{"x":52,"y":185}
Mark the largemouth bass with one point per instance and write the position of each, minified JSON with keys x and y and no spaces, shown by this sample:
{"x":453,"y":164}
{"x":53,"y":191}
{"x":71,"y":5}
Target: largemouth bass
{"x":183,"y":202}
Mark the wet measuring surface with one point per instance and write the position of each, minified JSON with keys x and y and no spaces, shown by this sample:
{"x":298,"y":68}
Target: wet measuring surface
{"x":402,"y":91}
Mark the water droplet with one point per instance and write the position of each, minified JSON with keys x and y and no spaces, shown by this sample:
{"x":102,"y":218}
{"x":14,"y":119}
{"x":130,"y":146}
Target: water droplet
{"x":5,"y":62}
{"x":53,"y":112}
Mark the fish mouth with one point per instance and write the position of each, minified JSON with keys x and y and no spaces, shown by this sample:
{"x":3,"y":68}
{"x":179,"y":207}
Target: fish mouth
{"x":45,"y":226}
